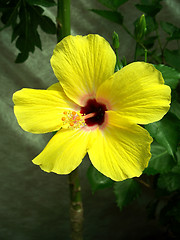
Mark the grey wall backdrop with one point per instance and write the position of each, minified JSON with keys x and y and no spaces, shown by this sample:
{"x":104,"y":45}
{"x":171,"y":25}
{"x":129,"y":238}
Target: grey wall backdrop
{"x":34,"y":204}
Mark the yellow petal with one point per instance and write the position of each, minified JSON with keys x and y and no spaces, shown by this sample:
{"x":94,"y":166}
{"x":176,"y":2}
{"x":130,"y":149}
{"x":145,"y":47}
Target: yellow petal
{"x":56,"y":86}
{"x":81,"y":64}
{"x":64,"y":152}
{"x":121,"y":150}
{"x":137,"y":92}
{"x":40,"y":111}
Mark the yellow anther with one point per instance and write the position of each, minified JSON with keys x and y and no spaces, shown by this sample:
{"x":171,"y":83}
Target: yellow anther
{"x":71,"y":124}
{"x":73,"y":119}
{"x":73,"y":113}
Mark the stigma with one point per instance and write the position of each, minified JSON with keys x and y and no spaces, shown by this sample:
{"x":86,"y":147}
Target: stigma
{"x":73,"y":119}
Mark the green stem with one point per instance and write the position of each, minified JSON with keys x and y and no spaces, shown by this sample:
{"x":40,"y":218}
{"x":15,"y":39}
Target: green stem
{"x":135,"y":54}
{"x":145,"y":51}
{"x":118,"y":64}
{"x":137,"y":42}
{"x":145,"y":55}
{"x":63,"y":19}
{"x":76,"y":208}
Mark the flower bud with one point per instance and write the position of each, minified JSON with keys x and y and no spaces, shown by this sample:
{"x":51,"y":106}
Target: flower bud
{"x":140,"y":28}
{"x":115,"y":40}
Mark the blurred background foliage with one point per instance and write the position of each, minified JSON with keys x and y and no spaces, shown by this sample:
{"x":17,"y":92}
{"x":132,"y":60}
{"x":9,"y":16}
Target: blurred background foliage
{"x":24,"y":17}
{"x":162,"y":177}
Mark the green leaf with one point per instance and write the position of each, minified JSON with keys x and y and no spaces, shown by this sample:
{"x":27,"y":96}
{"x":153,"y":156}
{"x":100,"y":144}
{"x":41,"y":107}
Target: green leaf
{"x":113,"y":4}
{"x":112,"y":16}
{"x":10,"y":13}
{"x":25,"y":44}
{"x":176,"y":169}
{"x":97,"y":180}
{"x":37,"y":40}
{"x":47,"y":25}
{"x":174,"y":211}
{"x":149,"y":42}
{"x":126,"y":191}
{"x":123,"y":62}
{"x":35,"y":15}
{"x":170,"y":214}
{"x":139,"y":50}
{"x":170,"y":75}
{"x":169,"y":181}
{"x":150,"y":10}
{"x":175,"y":108}
{"x":166,"y":132}
{"x":151,"y":24}
{"x":150,"y":2}
{"x":3,"y":5}
{"x":171,"y":30}
{"x":44,"y":3}
{"x":22,"y":57}
{"x":176,"y":35}
{"x":152,"y":208}
{"x":17,"y":28}
{"x":25,"y":17}
{"x":172,"y":58}
{"x":28,"y":36}
{"x":25,"y":41}
{"x":161,"y":161}
{"x":167,"y":27}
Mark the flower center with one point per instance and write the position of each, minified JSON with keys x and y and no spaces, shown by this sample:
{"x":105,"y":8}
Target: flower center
{"x":72,"y":119}
{"x":95,"y":112}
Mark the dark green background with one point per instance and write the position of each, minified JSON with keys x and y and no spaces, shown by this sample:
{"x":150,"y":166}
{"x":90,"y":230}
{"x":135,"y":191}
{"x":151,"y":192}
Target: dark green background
{"x":34,"y":204}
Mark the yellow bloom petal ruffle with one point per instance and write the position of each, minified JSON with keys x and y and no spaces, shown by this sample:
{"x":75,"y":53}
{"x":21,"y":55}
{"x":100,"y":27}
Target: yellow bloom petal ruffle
{"x":81,"y":64}
{"x":121,"y":150}
{"x":40,"y":111}
{"x":137,"y":92}
{"x":64,"y":152}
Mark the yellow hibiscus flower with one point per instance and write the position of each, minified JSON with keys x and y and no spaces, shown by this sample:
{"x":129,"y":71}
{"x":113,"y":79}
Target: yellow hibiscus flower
{"x":94,"y":110}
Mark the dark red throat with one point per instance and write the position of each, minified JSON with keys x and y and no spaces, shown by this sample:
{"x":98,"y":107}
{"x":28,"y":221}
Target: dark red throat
{"x":92,"y":106}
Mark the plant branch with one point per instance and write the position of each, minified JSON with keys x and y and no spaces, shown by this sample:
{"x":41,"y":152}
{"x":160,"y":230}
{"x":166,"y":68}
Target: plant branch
{"x":63,"y":19}
{"x":76,"y":208}
{"x":143,"y":183}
